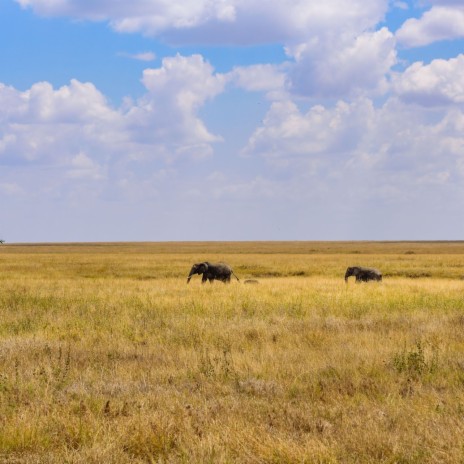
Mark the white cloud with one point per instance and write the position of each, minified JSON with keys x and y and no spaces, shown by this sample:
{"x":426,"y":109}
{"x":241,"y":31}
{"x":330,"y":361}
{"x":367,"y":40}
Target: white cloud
{"x":334,"y":43}
{"x":70,"y":143}
{"x":342,"y":68}
{"x":76,"y":103}
{"x":387,"y":151}
{"x":438,"y":23}
{"x":142,"y":56}
{"x":46,"y":124}
{"x":188,"y":81}
{"x":438,"y":83}
{"x":50,"y":125}
{"x":259,"y":78}
{"x":167,"y":115}
{"x":223,"y":21}
{"x":288,"y":133}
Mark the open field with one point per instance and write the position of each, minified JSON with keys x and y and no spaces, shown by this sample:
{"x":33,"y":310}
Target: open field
{"x":106,"y":355}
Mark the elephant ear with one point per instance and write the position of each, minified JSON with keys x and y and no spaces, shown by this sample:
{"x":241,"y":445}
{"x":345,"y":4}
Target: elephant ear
{"x":198,"y":268}
{"x":204,"y":266}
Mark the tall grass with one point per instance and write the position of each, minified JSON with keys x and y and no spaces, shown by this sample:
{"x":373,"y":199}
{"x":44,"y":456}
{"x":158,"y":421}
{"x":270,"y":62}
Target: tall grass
{"x":106,"y":355}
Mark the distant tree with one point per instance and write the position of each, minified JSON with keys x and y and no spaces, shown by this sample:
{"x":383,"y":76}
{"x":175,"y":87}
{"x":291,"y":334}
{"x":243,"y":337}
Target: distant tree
{"x":2,"y":241}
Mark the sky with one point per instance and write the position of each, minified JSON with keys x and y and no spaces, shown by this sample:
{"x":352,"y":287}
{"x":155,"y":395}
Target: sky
{"x":154,"y":120}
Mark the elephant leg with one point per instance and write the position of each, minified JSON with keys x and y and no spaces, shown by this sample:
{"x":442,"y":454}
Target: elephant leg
{"x":204,"y":279}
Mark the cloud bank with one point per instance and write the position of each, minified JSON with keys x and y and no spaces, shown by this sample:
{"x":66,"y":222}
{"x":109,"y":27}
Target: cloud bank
{"x":348,"y":129}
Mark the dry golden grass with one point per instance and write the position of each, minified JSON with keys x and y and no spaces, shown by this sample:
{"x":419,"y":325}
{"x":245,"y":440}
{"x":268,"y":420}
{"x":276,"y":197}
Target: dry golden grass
{"x":106,"y":355}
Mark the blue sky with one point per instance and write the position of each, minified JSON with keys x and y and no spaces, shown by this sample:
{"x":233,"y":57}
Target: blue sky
{"x":231,"y":120}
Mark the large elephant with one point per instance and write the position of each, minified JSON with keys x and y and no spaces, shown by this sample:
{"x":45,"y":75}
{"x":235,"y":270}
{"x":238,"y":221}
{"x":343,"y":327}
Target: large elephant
{"x":212,"y":271}
{"x":363,"y":274}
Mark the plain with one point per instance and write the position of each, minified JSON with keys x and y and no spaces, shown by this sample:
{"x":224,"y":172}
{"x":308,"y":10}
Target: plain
{"x":107,"y":355}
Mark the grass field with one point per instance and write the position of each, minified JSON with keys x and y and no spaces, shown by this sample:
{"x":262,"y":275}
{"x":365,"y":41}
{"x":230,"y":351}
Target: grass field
{"x":107,"y":356}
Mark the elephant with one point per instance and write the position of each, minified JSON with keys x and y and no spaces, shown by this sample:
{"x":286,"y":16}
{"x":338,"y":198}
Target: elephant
{"x":212,"y":271}
{"x":363,"y":274}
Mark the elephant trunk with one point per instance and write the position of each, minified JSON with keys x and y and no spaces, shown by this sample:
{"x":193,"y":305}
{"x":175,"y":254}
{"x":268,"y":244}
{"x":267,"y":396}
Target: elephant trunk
{"x":192,"y":272}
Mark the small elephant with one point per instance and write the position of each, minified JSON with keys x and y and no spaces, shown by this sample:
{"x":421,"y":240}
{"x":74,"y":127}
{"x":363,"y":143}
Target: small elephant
{"x":212,"y":271}
{"x":363,"y":274}
{"x":251,"y":281}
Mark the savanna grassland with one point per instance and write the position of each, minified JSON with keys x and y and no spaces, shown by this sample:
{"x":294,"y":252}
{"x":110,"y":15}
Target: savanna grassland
{"x":107,"y":356}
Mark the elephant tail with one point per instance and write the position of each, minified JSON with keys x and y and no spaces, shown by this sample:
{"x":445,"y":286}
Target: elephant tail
{"x":235,"y":276}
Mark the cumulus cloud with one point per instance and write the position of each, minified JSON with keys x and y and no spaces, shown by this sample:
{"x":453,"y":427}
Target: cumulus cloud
{"x":320,"y":135}
{"x":222,"y":21}
{"x":438,"y":83}
{"x":344,"y":66}
{"x":80,"y":146}
{"x":168,"y":111}
{"x":60,"y":125}
{"x":392,"y":146}
{"x":42,"y":123}
{"x":439,"y":23}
